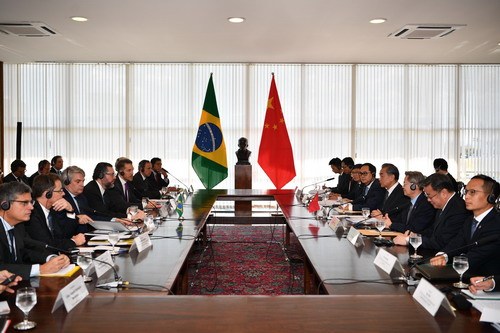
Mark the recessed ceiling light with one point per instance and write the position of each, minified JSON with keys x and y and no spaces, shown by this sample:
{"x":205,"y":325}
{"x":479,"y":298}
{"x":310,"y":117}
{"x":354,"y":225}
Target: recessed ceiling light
{"x":378,"y":20}
{"x":79,"y":19}
{"x":236,"y":19}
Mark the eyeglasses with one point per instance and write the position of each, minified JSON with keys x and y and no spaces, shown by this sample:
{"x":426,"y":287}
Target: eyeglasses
{"x":24,"y":203}
{"x":110,"y":173}
{"x":471,"y":192}
{"x":364,"y":173}
{"x":58,"y":191}
{"x":429,"y":196}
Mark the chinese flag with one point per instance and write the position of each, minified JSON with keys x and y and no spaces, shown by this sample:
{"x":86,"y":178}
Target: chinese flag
{"x":275,"y":151}
{"x":314,"y":204}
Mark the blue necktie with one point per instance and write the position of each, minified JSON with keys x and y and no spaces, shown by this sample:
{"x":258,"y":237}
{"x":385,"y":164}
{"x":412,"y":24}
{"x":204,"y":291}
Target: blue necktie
{"x":12,"y":246}
{"x":50,"y":218}
{"x":473,"y":227}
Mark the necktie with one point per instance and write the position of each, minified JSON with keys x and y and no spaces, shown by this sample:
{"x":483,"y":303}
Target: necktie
{"x":125,"y":190}
{"x":473,"y":227}
{"x":77,"y":211}
{"x":409,"y":214}
{"x":50,"y":219}
{"x":386,"y":196}
{"x":12,"y":245}
{"x":366,"y":190}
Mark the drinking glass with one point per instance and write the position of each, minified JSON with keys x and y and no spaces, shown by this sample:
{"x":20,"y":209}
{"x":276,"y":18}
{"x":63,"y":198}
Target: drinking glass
{"x":84,"y":260}
{"x":25,"y":300}
{"x":366,"y":212}
{"x":144,"y":202}
{"x":132,"y":211}
{"x":415,"y":241}
{"x":163,"y":192}
{"x":461,"y":265}
{"x":113,"y":239}
{"x":380,"y":225}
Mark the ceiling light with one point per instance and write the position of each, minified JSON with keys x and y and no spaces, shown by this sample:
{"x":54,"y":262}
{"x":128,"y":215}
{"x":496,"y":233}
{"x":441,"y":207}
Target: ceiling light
{"x":79,"y":19}
{"x":378,"y":20}
{"x":236,"y":19}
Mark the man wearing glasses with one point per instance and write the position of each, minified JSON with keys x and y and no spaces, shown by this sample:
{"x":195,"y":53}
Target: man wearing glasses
{"x":480,"y":196}
{"x":50,"y":214}
{"x":20,"y":254}
{"x":450,"y":215}
{"x":372,"y":195}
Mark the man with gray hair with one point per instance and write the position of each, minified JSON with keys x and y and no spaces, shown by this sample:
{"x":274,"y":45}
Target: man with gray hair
{"x":73,"y":179}
{"x":420,"y":214}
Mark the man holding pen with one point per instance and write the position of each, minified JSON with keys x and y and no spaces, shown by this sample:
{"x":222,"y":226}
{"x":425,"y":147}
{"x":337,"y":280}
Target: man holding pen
{"x":483,"y":283}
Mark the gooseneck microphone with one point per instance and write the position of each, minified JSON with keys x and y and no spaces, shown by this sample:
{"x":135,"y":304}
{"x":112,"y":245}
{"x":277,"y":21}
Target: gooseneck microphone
{"x":187,"y":187}
{"x":322,"y":181}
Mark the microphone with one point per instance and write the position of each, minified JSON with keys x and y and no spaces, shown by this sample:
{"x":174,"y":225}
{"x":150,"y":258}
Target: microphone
{"x":322,"y":181}
{"x":397,"y":209}
{"x":480,"y":242}
{"x":185,"y":186}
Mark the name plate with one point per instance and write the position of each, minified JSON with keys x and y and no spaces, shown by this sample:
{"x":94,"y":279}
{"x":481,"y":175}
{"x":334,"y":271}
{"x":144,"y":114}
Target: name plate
{"x":431,"y":298}
{"x":334,"y":223}
{"x":71,"y":295}
{"x":103,"y":264}
{"x":387,"y":262}
{"x":354,"y":236}
{"x":141,"y":242}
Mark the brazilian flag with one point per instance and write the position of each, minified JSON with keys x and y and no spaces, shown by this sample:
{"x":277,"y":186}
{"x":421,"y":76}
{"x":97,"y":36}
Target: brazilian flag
{"x":209,"y":158}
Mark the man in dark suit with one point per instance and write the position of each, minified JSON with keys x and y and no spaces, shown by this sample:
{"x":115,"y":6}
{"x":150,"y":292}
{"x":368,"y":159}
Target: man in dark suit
{"x":419,"y":215}
{"x":51,"y":213}
{"x":43,"y":169}
{"x":97,"y":194}
{"x":123,"y":194}
{"x":20,"y":254}
{"x":57,"y":165}
{"x":372,"y":194}
{"x":73,"y":179}
{"x":441,"y":167}
{"x":143,"y":183}
{"x":159,"y":175}
{"x":355,"y":186}
{"x":450,"y":215}
{"x":480,"y":195}
{"x":395,"y":200}
{"x":18,"y":170}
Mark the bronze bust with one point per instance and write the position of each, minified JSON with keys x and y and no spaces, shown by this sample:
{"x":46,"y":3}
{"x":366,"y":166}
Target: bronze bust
{"x":243,"y":153}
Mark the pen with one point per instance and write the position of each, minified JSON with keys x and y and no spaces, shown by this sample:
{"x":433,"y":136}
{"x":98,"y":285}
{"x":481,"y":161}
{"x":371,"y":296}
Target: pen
{"x":485,"y":279}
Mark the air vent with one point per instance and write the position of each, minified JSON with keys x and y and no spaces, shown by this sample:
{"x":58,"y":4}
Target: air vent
{"x":425,"y":31}
{"x":26,"y":29}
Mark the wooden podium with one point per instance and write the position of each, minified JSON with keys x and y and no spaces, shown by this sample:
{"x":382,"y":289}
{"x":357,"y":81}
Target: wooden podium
{"x":243,"y":180}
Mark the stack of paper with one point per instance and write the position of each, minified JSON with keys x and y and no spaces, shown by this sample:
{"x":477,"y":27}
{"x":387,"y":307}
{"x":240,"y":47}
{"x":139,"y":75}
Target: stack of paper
{"x":489,"y":305}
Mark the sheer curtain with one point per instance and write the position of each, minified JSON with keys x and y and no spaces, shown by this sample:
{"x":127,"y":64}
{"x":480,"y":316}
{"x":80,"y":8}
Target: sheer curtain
{"x":404,"y":114}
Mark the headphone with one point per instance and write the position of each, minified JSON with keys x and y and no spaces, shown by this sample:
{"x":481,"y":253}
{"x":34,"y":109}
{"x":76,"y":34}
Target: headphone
{"x":65,"y":176}
{"x":49,"y":193}
{"x":413,"y":186}
{"x":122,"y":173}
{"x":5,"y":205}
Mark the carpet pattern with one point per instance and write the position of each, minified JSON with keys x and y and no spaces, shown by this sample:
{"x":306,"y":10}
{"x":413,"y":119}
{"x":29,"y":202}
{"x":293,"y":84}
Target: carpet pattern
{"x":246,"y":260}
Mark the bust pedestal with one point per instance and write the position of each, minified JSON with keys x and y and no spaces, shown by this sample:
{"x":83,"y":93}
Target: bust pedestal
{"x":242,"y":180}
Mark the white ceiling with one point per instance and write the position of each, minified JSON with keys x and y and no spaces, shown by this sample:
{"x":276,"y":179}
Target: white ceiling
{"x":282,"y":31}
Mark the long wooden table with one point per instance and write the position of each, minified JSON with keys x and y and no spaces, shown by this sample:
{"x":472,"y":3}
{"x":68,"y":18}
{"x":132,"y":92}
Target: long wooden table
{"x":362,"y":306}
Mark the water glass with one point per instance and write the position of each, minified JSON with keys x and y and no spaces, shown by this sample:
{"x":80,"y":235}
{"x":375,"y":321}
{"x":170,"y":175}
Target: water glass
{"x":415,"y":241}
{"x":84,"y":260}
{"x":25,"y":301}
{"x":461,"y":265}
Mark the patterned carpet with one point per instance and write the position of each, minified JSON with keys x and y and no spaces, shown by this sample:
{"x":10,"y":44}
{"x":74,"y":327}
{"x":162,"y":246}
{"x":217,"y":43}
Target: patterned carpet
{"x":246,"y":260}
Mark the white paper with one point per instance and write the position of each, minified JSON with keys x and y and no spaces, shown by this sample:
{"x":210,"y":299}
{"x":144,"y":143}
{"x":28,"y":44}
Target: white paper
{"x":71,"y":295}
{"x":490,"y":314}
{"x":4,"y":308}
{"x":431,"y":298}
{"x":353,"y":236}
{"x":141,"y":242}
{"x":385,"y":261}
{"x":100,"y":267}
{"x":334,"y":223}
{"x":482,"y":295}
{"x":62,"y":271}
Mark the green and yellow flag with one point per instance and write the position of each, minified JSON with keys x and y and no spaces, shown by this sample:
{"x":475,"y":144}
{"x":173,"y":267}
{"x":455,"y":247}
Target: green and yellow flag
{"x":209,"y":158}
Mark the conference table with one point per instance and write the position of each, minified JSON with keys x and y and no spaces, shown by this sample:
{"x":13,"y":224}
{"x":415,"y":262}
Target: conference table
{"x":342,"y":294}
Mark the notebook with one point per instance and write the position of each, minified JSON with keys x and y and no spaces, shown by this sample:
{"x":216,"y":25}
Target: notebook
{"x":438,"y":273}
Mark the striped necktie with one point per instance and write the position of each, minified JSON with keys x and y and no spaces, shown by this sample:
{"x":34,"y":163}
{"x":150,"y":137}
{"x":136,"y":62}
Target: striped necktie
{"x":12,"y":246}
{"x":473,"y":227}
